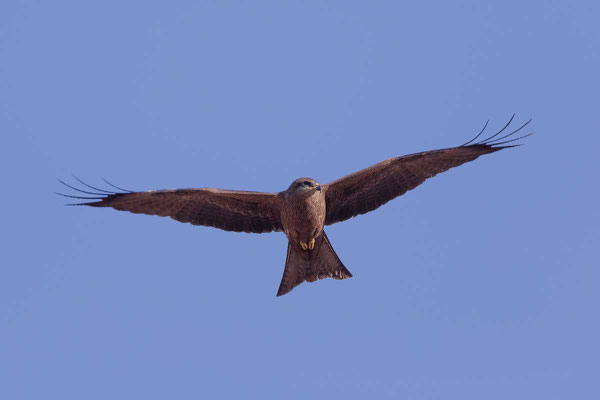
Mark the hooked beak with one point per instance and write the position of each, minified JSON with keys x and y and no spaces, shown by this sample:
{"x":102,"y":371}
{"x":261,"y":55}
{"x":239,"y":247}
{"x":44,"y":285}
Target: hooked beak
{"x":318,"y":187}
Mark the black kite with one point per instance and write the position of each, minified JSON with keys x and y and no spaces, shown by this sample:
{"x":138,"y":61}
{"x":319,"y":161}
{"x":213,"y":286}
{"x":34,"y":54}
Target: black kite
{"x":304,"y":208}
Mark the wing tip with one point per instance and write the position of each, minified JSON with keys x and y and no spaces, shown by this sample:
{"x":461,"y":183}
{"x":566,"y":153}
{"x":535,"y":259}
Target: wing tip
{"x":98,"y":194}
{"x":495,"y":142}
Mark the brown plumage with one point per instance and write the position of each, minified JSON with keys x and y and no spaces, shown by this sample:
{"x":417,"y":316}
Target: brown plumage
{"x":304,"y":208}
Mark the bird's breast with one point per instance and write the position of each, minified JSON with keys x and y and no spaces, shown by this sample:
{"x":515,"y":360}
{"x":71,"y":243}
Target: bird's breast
{"x":303,"y":218}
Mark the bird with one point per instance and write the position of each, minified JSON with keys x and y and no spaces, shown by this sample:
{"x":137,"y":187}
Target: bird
{"x":302,"y":210}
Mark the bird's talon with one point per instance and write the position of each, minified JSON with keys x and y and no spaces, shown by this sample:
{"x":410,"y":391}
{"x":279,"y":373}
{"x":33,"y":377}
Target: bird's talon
{"x":303,"y":245}
{"x":311,"y":244}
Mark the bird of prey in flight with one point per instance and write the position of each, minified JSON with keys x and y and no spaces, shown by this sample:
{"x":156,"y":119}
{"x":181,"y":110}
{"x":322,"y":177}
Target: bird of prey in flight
{"x":303,"y":209}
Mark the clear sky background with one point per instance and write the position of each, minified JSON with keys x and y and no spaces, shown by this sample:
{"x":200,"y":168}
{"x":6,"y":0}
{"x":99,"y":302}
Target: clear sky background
{"x":480,"y":284}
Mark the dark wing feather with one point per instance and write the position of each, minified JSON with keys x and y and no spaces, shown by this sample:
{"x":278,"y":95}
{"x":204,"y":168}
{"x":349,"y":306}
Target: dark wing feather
{"x":370,"y":188}
{"x":230,"y":210}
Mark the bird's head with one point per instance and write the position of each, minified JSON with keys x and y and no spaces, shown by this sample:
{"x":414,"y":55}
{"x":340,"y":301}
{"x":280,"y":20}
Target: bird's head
{"x":304,"y":185}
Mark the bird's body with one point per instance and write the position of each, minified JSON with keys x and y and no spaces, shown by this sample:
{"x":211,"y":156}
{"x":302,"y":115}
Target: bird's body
{"x":310,"y":256}
{"x":301,"y":211}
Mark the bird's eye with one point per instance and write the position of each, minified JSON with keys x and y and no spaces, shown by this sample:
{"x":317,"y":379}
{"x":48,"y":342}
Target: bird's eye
{"x":306,"y":183}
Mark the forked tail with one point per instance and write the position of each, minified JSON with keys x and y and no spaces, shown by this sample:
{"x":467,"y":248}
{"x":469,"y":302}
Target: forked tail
{"x":319,"y":263}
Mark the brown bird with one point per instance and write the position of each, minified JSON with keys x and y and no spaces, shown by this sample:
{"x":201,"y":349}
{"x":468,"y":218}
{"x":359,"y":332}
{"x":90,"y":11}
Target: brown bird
{"x":304,"y":208}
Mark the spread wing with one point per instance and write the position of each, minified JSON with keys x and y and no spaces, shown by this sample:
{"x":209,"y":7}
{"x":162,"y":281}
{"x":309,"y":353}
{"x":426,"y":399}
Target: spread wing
{"x":230,"y":210}
{"x":370,"y":188}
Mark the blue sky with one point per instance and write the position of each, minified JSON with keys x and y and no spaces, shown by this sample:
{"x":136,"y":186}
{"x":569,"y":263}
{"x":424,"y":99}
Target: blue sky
{"x":481,"y":283}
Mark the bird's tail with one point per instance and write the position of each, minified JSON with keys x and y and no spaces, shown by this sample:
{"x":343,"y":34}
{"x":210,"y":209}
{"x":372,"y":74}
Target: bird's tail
{"x":310,"y":265}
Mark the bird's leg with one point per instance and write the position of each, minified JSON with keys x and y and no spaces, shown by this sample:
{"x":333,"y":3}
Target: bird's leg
{"x":308,"y":246}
